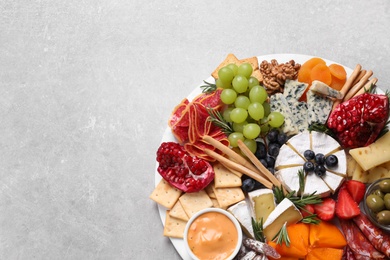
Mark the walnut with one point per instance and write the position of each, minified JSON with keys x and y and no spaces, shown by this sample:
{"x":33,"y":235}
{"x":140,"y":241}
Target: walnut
{"x":275,"y":74}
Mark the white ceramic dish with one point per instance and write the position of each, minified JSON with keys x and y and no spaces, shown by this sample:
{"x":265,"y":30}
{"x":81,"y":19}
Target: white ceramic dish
{"x":167,"y":136}
{"x":224,"y":212}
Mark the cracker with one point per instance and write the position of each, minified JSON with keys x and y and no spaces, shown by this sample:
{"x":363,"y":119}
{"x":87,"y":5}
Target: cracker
{"x":253,"y":61}
{"x":165,"y":195}
{"x":230,"y":58}
{"x":195,"y":201}
{"x":178,"y":212}
{"x":257,"y":74}
{"x":224,"y":178}
{"x":174,"y":227}
{"x":215,"y":203}
{"x":210,"y":191}
{"x":228,"y":196}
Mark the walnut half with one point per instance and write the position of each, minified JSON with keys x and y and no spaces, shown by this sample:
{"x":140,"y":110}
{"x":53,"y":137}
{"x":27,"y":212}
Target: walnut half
{"x":275,"y":74}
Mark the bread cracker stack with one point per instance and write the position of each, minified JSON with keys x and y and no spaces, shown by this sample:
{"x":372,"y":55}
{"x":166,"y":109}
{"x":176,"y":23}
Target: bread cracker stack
{"x":223,"y":192}
{"x":231,"y":58}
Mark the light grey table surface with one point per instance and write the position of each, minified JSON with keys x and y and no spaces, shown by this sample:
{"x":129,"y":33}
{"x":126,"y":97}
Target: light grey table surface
{"x":86,"y":89}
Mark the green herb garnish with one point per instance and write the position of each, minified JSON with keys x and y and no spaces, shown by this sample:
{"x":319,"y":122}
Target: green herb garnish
{"x":217,"y":119}
{"x":258,"y":230}
{"x":282,"y":236}
{"x":208,"y":87}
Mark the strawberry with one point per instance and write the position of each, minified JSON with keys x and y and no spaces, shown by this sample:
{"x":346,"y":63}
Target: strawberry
{"x":346,"y":207}
{"x":183,"y":171}
{"x":356,"y":189}
{"x":307,"y":210}
{"x":359,"y":121}
{"x":325,"y":210}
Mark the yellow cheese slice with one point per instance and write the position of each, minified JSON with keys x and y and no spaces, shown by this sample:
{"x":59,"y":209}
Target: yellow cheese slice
{"x":373,"y":155}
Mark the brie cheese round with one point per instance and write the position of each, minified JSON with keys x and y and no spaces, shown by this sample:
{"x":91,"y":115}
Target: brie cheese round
{"x":291,"y":159}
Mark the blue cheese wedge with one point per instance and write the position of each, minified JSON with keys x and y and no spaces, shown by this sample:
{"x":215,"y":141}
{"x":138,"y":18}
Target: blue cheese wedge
{"x":318,"y":108}
{"x":241,"y":212}
{"x":285,"y":212}
{"x":279,"y":103}
{"x":299,"y":114}
{"x":293,"y":89}
{"x":323,"y":89}
{"x":262,"y":202}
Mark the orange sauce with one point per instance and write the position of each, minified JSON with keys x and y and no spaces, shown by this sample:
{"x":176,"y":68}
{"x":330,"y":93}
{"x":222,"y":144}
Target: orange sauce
{"x":212,"y":236}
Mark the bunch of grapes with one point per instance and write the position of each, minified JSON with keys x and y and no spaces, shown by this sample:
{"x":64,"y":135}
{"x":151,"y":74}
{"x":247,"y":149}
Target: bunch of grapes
{"x":248,"y":110}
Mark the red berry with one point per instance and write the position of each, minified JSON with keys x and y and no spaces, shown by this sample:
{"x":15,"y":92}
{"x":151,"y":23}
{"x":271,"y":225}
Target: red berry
{"x":346,"y":207}
{"x":325,"y":210}
{"x":356,"y":189}
{"x":358,"y":121}
{"x":307,"y":210}
{"x":183,"y":171}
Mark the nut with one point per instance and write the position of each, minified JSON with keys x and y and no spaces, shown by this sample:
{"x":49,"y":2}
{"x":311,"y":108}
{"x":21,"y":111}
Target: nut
{"x":275,"y":74}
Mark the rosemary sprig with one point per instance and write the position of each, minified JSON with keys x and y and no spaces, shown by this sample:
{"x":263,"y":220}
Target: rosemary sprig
{"x":301,"y":177}
{"x":208,"y":87}
{"x":217,"y":119}
{"x":282,"y":236}
{"x":311,"y":219}
{"x":258,"y":230}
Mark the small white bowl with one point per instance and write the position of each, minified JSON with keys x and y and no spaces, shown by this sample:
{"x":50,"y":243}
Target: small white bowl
{"x":223,"y":212}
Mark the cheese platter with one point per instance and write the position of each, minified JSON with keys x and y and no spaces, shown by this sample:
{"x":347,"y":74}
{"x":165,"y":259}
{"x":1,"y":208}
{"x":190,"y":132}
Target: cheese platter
{"x":286,"y":98}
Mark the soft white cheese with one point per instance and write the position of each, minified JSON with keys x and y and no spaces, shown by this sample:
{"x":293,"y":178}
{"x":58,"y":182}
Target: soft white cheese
{"x":288,"y":157}
{"x":332,"y":180}
{"x":289,"y":178}
{"x":313,"y":183}
{"x":241,"y":212}
{"x":323,"y":143}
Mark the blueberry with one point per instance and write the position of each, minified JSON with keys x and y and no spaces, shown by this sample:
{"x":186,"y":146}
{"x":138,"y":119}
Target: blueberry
{"x":264,"y":162}
{"x":331,"y":160}
{"x":308,"y":167}
{"x":319,"y":170}
{"x":273,"y":149}
{"x":282,"y":138}
{"x":248,"y":184}
{"x":309,"y":155}
{"x":320,"y":159}
{"x":270,"y":161}
{"x":261,"y":151}
{"x":273,"y":135}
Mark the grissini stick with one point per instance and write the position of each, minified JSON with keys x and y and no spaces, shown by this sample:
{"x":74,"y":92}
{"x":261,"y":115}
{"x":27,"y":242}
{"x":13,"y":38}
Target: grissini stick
{"x":348,"y":83}
{"x":358,"y":86}
{"x":368,"y":85}
{"x":238,"y":167}
{"x":229,"y":152}
{"x":258,"y":164}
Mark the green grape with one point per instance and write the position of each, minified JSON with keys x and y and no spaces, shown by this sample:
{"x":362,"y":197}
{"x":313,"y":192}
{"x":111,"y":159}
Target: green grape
{"x":275,"y":119}
{"x":258,"y":94}
{"x":233,"y":67}
{"x":240,"y":84}
{"x":256,"y":110}
{"x":226,"y":75}
{"x":234,"y":137}
{"x":251,"y":144}
{"x":245,"y":70}
{"x":239,"y":127}
{"x":238,"y":115}
{"x":226,"y":114}
{"x":242,"y":101}
{"x":228,"y":96}
{"x":252,"y":81}
{"x":267,"y":108}
{"x":264,"y":126}
{"x":251,"y":131}
{"x":220,"y":84}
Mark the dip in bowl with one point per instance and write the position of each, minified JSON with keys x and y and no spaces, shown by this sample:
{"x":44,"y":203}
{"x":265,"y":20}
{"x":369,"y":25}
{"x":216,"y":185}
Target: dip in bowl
{"x":212,"y":233}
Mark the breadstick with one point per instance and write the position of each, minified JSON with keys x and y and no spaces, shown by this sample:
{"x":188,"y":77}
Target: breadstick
{"x":359,"y":77}
{"x":368,"y":85}
{"x":229,"y":152}
{"x":239,"y":168}
{"x":348,"y":83}
{"x":257,"y":163}
{"x":358,"y":86}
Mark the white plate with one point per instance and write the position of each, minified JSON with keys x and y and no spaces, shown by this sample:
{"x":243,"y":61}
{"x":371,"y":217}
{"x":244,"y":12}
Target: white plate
{"x":167,"y":137}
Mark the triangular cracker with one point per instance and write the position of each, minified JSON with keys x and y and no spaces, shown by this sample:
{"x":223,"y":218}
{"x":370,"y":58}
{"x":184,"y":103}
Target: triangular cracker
{"x":178,"y":212}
